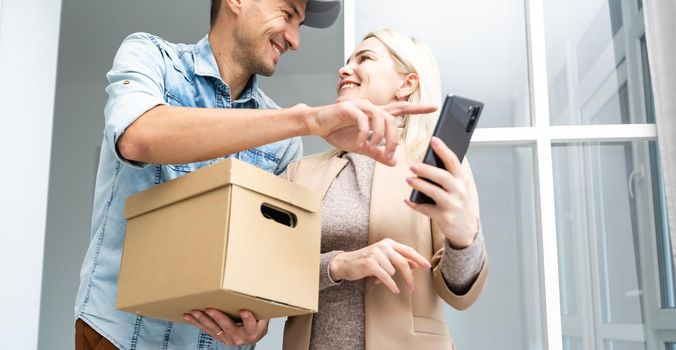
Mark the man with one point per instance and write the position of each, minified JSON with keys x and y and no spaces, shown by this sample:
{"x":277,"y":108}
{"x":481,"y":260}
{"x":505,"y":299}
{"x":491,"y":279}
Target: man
{"x":175,"y":108}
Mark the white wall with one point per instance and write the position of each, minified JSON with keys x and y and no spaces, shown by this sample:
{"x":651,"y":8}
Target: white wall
{"x":28,"y":55}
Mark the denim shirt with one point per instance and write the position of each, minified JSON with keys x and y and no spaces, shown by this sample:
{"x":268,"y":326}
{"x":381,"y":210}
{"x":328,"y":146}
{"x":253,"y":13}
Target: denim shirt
{"x":147,"y":72}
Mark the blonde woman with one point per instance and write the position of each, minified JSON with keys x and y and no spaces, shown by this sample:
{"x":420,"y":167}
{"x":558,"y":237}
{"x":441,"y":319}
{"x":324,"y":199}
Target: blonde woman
{"x":388,"y":265}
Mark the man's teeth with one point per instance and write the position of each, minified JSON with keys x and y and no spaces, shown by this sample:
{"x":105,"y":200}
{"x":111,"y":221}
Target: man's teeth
{"x":348,"y":86}
{"x":277,"y":50}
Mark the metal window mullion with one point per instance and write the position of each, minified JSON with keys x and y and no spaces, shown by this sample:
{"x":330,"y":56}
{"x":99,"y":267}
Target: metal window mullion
{"x":665,"y":336}
{"x":549,"y":244}
{"x":349,"y":27}
{"x":603,"y":133}
{"x":545,"y":176}
{"x":501,"y":136}
{"x":566,"y":134}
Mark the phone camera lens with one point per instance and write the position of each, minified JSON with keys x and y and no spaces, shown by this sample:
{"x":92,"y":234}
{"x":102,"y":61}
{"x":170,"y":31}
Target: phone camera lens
{"x":473,"y":112}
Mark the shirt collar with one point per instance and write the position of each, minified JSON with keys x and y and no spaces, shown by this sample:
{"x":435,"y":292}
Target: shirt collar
{"x":205,"y":65}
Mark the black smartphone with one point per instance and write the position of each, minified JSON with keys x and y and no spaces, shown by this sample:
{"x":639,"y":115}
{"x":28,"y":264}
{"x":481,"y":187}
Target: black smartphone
{"x":456,"y":124}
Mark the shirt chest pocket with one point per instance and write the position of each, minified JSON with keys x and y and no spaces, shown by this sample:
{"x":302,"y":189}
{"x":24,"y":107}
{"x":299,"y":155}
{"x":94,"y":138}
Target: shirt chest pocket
{"x":173,"y":171}
{"x":262,"y":157}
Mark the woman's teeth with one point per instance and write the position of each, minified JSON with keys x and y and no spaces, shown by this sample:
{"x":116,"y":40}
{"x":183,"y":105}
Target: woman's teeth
{"x":348,"y":86}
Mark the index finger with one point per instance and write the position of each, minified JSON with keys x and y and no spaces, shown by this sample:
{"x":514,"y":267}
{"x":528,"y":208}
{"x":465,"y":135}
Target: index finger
{"x":411,"y":254}
{"x":401,"y":264}
{"x":384,"y":124}
{"x":406,"y":108}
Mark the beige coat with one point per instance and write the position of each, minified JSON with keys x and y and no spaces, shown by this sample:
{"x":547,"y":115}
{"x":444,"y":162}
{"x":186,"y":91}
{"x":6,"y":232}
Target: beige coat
{"x":408,"y":320}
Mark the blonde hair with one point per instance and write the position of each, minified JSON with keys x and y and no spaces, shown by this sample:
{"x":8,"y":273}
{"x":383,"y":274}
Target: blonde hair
{"x":412,"y":56}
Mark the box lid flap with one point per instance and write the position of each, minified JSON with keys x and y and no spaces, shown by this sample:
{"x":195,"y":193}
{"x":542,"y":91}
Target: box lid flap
{"x":229,"y":171}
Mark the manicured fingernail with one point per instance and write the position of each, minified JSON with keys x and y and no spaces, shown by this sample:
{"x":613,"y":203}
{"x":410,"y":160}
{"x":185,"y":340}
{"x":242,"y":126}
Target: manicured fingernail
{"x":435,"y":140}
{"x":414,"y":168}
{"x":409,"y":179}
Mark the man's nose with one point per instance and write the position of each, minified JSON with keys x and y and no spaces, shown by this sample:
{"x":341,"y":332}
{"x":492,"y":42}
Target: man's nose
{"x":292,"y":37}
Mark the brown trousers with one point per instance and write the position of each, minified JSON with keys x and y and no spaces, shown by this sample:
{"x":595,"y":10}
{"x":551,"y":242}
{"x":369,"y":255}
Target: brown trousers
{"x":86,"y":338}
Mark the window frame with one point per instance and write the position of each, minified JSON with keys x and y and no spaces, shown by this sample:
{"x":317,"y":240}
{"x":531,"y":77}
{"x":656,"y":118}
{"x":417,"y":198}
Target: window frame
{"x":659,"y":323}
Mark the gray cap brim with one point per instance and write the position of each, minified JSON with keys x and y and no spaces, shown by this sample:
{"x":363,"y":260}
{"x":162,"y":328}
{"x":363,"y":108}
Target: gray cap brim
{"x":322,"y":13}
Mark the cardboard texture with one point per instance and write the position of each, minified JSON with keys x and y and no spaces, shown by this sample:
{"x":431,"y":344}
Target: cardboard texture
{"x":207,"y":240}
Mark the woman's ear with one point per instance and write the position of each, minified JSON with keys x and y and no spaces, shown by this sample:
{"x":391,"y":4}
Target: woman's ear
{"x":408,"y":86}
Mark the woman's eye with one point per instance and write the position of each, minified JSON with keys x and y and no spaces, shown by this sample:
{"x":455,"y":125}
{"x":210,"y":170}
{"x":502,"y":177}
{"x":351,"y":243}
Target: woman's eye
{"x":364,"y":58}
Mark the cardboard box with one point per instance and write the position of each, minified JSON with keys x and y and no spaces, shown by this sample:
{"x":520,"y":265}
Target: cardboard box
{"x":209,"y":239}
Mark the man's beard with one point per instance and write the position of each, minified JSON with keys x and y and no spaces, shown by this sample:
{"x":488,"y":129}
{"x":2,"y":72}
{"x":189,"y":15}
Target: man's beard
{"x":251,"y":54}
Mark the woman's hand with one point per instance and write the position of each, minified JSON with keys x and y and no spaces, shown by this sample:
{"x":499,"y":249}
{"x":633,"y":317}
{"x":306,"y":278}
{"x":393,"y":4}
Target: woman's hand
{"x":222,"y":328}
{"x":380,"y":260}
{"x":456,"y":212}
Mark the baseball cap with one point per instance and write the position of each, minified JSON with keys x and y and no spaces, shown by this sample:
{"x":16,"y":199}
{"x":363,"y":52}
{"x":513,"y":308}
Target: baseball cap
{"x":322,"y":13}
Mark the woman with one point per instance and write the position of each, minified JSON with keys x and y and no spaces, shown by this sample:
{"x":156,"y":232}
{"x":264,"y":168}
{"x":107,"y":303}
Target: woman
{"x":388,"y":264}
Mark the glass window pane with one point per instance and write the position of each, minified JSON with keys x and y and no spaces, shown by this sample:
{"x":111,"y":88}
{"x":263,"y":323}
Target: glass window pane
{"x":670,"y":346}
{"x":508,"y":219}
{"x":594,"y":62}
{"x":480,"y":46}
{"x":666,"y":249}
{"x":607,"y":195}
{"x":622,"y":345}
{"x":572,"y":343}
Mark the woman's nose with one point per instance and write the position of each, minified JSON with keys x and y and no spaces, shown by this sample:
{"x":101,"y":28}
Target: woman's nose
{"x":345,"y":70}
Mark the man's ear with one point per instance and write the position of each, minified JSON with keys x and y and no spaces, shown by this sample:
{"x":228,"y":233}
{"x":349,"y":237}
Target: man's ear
{"x":235,"y":6}
{"x":408,"y":86}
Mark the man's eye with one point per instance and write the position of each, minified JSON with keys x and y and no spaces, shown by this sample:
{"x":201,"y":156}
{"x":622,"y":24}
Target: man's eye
{"x":287,"y":14}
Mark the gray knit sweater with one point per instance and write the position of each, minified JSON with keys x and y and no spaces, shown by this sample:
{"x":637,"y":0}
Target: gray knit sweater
{"x":339,"y":323}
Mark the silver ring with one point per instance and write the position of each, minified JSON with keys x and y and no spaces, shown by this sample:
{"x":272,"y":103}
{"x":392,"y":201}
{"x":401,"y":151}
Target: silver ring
{"x":219,"y":333}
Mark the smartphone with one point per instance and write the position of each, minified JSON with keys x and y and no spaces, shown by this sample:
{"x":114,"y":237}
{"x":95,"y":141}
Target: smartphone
{"x":456,"y":124}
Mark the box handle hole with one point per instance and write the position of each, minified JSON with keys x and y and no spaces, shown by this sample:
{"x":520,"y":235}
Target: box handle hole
{"x":279,"y":215}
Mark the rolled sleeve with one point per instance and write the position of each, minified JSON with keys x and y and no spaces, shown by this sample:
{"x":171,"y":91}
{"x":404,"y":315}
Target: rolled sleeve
{"x":460,"y":267}
{"x":460,"y":300}
{"x":293,"y":153}
{"x":136,"y":85}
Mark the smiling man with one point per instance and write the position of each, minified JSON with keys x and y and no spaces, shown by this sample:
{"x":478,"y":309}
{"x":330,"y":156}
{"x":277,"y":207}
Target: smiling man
{"x":174,"y":108}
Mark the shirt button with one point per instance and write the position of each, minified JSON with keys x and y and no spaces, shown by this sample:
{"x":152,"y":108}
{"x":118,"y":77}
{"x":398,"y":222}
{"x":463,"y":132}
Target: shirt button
{"x":126,"y":82}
